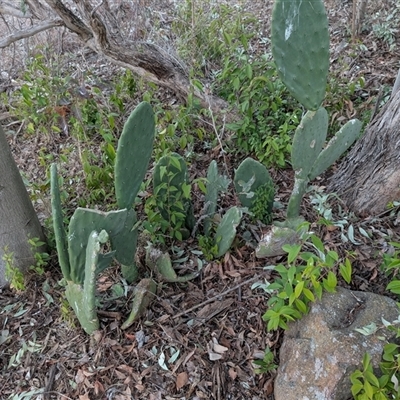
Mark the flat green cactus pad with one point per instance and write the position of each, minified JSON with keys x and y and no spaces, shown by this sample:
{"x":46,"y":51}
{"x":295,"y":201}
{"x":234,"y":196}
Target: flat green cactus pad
{"x":300,"y":46}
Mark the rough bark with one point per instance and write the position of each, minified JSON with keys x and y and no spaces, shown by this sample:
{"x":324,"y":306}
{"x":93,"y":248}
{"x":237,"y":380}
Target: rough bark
{"x":18,"y":220}
{"x":368,"y":178}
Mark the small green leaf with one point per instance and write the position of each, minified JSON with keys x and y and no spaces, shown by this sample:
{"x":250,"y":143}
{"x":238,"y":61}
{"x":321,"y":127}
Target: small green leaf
{"x":332,"y":280}
{"x":308,"y":294}
{"x":394,"y":286}
{"x":371,"y":378}
{"x":346,"y":270}
{"x":301,"y":306}
{"x":299,"y":288}
{"x":366,"y":361}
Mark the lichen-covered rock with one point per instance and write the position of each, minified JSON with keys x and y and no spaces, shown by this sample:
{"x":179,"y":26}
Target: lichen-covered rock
{"x":320,"y":351}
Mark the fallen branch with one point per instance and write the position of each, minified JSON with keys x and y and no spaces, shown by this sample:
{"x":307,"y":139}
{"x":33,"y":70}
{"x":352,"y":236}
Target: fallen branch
{"x":254,"y":278}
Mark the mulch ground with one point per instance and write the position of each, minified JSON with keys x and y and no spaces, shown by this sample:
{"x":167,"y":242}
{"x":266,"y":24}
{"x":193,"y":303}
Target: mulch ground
{"x":197,"y":340}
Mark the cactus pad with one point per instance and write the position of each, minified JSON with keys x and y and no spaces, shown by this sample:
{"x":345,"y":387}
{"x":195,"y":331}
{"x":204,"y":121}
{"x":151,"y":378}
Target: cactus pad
{"x":133,"y":154}
{"x":300,"y":46}
{"x":308,"y":141}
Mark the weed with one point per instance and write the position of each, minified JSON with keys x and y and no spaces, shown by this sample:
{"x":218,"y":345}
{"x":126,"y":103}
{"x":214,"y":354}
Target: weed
{"x":301,"y":281}
{"x":208,"y":247}
{"x":13,"y":274}
{"x":268,"y":114}
{"x":262,"y":196}
{"x":41,"y":258}
{"x":266,"y":364}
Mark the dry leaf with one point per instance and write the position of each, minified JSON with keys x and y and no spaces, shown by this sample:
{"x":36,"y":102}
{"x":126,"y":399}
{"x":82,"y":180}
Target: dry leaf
{"x":84,"y":397}
{"x":214,"y":356}
{"x":80,"y":376}
{"x":232,"y":373}
{"x":181,"y":380}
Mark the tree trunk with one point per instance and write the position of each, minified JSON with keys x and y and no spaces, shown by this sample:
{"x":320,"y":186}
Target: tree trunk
{"x":18,"y":220}
{"x":368,"y":178}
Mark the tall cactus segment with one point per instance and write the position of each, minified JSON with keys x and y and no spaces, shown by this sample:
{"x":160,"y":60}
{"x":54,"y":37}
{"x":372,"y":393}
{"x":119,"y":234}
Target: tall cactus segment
{"x":171,"y":189}
{"x":250,"y":176}
{"x":58,"y":224}
{"x":215,"y":183}
{"x":82,"y":297}
{"x":300,"y":46}
{"x":133,"y":154}
{"x":226,"y":231}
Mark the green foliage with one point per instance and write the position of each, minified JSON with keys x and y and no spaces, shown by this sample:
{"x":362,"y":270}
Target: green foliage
{"x":303,"y":279}
{"x":266,"y":364}
{"x":179,"y":127}
{"x":41,"y":258}
{"x":172,"y":197}
{"x":13,"y":274}
{"x":385,"y":25}
{"x":367,"y":385}
{"x":263,"y":196}
{"x":39,"y":100}
{"x":208,"y":246}
{"x":267,"y":113}
{"x":216,"y":40}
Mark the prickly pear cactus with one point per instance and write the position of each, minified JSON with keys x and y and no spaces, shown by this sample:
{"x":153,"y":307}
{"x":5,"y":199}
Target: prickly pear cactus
{"x":226,"y":231}
{"x":343,"y":139}
{"x":300,"y":46}
{"x":308,"y":158}
{"x":252,"y":180}
{"x":81,"y":296}
{"x":216,"y":183}
{"x":133,"y":154}
{"x":120,"y":226}
{"x":58,"y":224}
{"x":308,"y":141}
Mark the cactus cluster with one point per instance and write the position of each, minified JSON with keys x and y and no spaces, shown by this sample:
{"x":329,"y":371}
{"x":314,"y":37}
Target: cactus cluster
{"x":171,"y":188}
{"x":79,"y":250}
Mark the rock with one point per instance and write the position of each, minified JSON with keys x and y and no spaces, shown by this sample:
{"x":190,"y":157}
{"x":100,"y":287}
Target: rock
{"x":320,"y":351}
{"x":271,"y":243}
